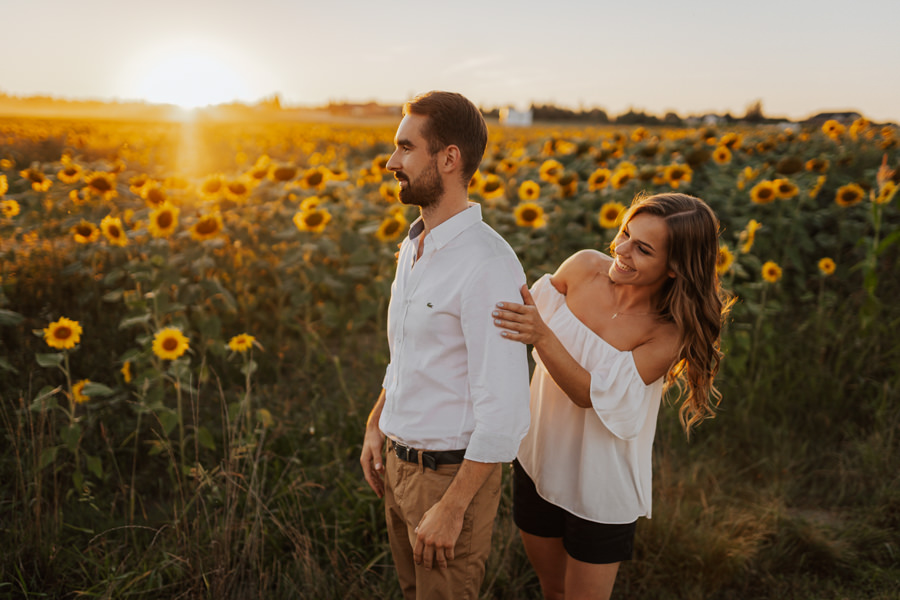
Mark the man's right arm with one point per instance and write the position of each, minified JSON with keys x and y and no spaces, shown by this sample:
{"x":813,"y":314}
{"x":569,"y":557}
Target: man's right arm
{"x":372,"y":459}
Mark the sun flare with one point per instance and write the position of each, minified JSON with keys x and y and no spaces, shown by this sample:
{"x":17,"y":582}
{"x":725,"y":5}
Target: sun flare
{"x":189,"y":75}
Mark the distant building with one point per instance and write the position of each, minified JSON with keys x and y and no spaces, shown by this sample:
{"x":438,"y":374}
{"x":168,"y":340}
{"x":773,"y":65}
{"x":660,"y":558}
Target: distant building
{"x":516,"y":118}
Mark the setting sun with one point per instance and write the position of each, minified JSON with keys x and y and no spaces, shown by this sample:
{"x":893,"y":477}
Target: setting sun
{"x":188,"y":75}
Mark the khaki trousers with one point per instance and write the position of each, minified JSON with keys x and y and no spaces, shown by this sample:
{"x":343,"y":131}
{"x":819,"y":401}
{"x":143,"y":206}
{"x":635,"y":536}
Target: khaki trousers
{"x":410,"y":490}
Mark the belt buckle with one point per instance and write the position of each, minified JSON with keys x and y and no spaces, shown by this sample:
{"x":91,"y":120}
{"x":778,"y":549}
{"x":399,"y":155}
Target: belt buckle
{"x":403,"y":451}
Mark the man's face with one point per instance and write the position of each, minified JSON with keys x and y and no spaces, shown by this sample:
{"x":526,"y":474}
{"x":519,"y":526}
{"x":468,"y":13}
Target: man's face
{"x":414,"y":166}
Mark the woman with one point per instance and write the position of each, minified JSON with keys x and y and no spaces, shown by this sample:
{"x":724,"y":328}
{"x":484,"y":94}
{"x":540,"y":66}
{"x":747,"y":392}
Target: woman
{"x":609,"y":336}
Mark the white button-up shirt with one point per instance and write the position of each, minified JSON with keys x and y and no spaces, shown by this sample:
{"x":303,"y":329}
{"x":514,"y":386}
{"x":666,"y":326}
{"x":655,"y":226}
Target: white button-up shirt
{"x":453,"y":381}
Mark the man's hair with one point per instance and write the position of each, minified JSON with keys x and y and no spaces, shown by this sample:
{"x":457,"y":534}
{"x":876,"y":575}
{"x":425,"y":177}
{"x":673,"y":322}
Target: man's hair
{"x":452,"y":120}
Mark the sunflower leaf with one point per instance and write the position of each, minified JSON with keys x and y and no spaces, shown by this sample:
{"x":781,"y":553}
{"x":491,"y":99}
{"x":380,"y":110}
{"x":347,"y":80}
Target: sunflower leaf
{"x":132,"y":321}
{"x":8,"y":317}
{"x":96,"y":389}
{"x":48,"y":456}
{"x":94,"y":465}
{"x":205,"y":438}
{"x":7,"y":366}
{"x":49,"y":360}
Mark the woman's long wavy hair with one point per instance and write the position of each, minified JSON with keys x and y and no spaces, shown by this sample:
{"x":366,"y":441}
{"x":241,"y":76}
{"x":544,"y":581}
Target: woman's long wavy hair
{"x":693,"y":299}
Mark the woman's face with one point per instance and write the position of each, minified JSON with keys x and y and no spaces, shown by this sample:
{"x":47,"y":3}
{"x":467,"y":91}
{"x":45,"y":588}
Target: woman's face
{"x":642,"y":252}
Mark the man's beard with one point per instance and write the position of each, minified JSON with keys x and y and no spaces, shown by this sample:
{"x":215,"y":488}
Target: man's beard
{"x":425,"y":190}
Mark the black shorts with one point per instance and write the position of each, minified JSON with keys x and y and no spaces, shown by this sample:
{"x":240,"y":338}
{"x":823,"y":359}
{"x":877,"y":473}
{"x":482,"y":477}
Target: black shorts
{"x":587,"y":541}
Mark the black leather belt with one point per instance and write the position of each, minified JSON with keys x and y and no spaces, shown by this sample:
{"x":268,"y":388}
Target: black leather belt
{"x":429,"y":459}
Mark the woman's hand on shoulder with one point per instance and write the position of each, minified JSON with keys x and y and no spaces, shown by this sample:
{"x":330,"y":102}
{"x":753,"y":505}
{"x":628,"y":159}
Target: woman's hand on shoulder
{"x":520,"y":322}
{"x":657,"y":355}
{"x":579,"y":267}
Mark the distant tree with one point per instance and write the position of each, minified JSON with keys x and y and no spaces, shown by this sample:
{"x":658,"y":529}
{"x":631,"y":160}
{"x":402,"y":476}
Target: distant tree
{"x":755,"y":113}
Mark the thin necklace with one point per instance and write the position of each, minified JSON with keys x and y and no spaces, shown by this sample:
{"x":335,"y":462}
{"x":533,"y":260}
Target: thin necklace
{"x":616,"y":314}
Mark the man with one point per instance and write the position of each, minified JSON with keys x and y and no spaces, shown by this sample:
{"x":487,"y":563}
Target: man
{"x":454,"y":403}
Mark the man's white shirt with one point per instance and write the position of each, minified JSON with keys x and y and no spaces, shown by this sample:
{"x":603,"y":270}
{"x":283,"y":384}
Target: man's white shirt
{"x":453,"y":381}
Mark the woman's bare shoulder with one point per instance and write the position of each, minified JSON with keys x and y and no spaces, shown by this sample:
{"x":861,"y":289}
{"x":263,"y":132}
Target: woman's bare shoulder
{"x":581,"y":265}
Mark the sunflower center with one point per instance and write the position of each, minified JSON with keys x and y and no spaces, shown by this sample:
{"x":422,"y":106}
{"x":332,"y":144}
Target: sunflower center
{"x":62,"y":332}
{"x":164,"y":220}
{"x":83,"y":230}
{"x":313,"y":219}
{"x":529,"y":215}
{"x":114,"y":231}
{"x":284,"y":173}
{"x":101,"y":184}
{"x":170,"y":344}
{"x":491,"y":186}
{"x":211,"y":187}
{"x":314,"y":178}
{"x":207,"y":226}
{"x":392,"y":227}
{"x":237,"y":188}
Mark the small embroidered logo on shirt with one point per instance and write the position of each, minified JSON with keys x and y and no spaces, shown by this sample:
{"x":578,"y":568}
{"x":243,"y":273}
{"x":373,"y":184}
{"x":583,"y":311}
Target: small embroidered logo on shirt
{"x":430,"y":305}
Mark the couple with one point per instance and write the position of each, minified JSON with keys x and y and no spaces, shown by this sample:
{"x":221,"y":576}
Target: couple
{"x":609,"y":334}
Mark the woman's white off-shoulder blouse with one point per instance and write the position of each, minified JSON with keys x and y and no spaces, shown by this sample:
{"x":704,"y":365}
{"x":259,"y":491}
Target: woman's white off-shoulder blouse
{"x":595,"y":463}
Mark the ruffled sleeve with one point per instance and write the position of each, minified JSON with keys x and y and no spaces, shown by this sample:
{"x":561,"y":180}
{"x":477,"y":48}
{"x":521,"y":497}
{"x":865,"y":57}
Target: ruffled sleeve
{"x":547,"y":298}
{"x":619,"y":395}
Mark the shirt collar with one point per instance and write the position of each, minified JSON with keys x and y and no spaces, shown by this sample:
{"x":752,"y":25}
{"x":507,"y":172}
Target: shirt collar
{"x":449,"y":229}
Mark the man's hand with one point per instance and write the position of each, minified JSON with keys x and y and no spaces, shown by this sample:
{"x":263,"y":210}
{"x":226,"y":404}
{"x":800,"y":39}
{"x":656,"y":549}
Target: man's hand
{"x":436,"y":536}
{"x":372,"y":457}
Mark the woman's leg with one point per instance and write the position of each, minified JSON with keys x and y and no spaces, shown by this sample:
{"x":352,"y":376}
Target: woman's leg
{"x":548,"y":558}
{"x":586,"y":581}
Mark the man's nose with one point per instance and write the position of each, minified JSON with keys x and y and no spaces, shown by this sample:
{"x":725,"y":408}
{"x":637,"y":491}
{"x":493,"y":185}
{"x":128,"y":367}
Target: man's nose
{"x":392,"y":164}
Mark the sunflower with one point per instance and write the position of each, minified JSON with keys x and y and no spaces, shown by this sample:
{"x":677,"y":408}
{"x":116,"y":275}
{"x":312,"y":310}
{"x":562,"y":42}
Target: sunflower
{"x":599,"y":179}
{"x":529,"y":190}
{"x":213,"y":187}
{"x":9,"y":208}
{"x":771,"y":272}
{"x":78,"y":394}
{"x":785,"y":188}
{"x":379,"y":163}
{"x":550,"y":170}
{"x":677,"y":174}
{"x":7,"y":164}
{"x":724,"y":260}
{"x":310,"y":203}
{"x":886,"y":193}
{"x":722,"y":155}
{"x":39,"y":181}
{"x":154,"y":195}
{"x":63,"y":334}
{"x":833,"y":129}
{"x":568,"y":184}
{"x":820,"y":181}
{"x":136,"y":183}
{"x":71,"y":173}
{"x":476,"y":182}
{"x":817,"y":165}
{"x":492,"y":188}
{"x":529,"y":214}
{"x":314,"y":178}
{"x":611,"y":215}
{"x":849,"y":194}
{"x":237,"y":190}
{"x":112,"y":229}
{"x":389,"y":191}
{"x":858,"y":127}
{"x":508,"y":166}
{"x":763,"y":192}
{"x":4,"y":185}
{"x":101,"y":184}
{"x":391,"y":227}
{"x":241,"y":342}
{"x":826,"y":266}
{"x":313,"y":220}
{"x":282,"y":173}
{"x":163,"y":220}
{"x":85,"y":232}
{"x":732,"y":141}
{"x":621,"y":178}
{"x":169,"y":343}
{"x":748,"y":235}
{"x":207,"y":227}
{"x":126,"y":371}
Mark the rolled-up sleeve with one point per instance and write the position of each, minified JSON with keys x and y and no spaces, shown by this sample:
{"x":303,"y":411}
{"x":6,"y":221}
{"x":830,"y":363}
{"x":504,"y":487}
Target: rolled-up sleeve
{"x":497,"y":367}
{"x":619,"y":396}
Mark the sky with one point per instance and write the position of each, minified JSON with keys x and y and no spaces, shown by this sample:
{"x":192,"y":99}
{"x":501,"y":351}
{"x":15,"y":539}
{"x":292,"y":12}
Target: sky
{"x":798,"y":57}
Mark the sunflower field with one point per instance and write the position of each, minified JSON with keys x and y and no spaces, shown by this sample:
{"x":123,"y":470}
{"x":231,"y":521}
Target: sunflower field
{"x":192,"y":333}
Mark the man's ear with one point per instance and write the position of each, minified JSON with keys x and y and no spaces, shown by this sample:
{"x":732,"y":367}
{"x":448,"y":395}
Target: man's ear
{"x":452,"y":158}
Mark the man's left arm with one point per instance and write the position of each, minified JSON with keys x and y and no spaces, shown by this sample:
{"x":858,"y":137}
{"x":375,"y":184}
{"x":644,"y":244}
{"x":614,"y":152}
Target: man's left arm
{"x":441,"y":524}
